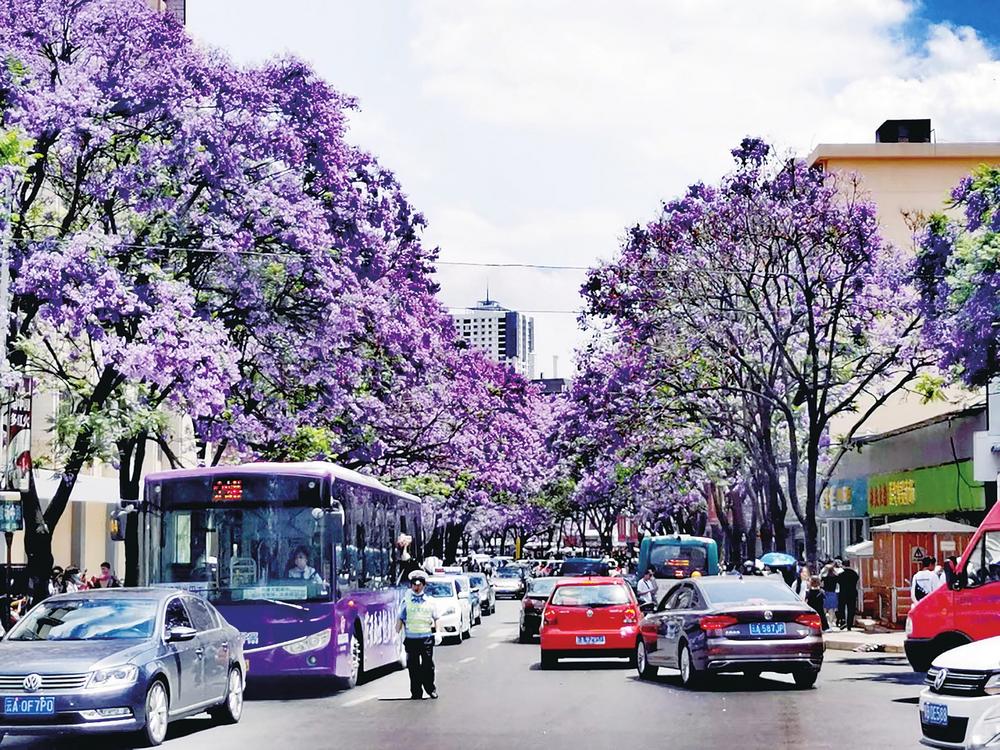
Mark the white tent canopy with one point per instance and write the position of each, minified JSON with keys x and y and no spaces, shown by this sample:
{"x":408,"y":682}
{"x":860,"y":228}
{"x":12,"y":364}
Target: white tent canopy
{"x":861,"y":549}
{"x":926,"y":526}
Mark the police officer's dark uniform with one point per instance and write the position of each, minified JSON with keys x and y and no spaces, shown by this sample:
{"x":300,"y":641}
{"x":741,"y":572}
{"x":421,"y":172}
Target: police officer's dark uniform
{"x":419,"y":619}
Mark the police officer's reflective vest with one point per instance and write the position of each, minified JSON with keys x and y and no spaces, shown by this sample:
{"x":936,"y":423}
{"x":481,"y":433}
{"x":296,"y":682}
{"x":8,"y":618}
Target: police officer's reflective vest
{"x":418,"y":616}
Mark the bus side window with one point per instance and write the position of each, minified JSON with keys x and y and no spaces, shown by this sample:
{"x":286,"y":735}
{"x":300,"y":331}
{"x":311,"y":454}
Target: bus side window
{"x":360,"y":568}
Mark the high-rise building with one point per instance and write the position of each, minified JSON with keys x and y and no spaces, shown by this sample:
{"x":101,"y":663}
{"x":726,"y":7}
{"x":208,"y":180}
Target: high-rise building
{"x":505,"y":335}
{"x":176,"y":8}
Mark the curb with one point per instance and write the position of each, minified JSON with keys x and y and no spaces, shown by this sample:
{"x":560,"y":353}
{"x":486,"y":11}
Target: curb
{"x":887,"y":648}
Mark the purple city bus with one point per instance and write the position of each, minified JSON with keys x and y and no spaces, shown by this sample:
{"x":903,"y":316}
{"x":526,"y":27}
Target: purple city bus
{"x":301,"y":557}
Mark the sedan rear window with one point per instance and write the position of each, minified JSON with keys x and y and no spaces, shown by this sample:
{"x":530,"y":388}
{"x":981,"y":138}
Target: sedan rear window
{"x":590,"y":596}
{"x":510,"y":572}
{"x":737,"y":591}
{"x":82,"y":620}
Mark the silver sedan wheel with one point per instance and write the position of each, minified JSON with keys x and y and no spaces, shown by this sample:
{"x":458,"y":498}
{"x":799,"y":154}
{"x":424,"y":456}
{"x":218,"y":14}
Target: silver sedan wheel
{"x":157,"y":706}
{"x":686,"y":665}
{"x":640,"y":657}
{"x":234,"y":699}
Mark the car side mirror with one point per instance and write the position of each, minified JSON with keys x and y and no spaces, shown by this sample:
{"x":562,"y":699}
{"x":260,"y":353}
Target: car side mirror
{"x":181,"y":633}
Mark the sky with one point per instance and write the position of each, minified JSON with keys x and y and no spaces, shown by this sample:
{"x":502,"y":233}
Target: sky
{"x":536,"y":131}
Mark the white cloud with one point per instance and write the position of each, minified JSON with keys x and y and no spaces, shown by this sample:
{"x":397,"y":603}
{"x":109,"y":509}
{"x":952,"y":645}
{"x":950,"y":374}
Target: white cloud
{"x":537,"y":132}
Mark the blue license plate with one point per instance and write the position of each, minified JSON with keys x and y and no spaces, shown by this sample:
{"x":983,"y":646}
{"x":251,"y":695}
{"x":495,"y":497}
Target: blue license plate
{"x":590,"y":640}
{"x":936,"y":714}
{"x":31,"y":705}
{"x":767,"y":628}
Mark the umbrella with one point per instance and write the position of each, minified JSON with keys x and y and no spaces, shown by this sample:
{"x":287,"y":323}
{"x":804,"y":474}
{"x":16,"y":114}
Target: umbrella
{"x":778,"y":559}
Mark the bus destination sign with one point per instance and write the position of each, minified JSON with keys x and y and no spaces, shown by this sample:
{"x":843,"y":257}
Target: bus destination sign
{"x":227,"y":490}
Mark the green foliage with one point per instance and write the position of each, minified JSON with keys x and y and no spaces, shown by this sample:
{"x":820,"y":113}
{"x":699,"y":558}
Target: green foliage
{"x":929,"y":387}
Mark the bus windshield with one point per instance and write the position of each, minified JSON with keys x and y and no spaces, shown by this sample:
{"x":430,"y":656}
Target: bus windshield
{"x":673,"y":560}
{"x":246,"y":553}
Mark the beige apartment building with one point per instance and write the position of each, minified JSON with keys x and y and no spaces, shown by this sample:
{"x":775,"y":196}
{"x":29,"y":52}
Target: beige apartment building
{"x":924,"y":449}
{"x":907,"y":181}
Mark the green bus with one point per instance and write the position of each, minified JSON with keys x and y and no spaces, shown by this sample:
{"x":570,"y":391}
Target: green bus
{"x":678,"y":556}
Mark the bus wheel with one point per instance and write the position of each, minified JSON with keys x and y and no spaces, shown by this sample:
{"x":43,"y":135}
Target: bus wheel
{"x":357,"y":663}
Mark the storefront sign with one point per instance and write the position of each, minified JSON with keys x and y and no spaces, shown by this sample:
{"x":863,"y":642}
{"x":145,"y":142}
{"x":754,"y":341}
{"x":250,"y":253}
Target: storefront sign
{"x":938,"y":489}
{"x":844,"y":499}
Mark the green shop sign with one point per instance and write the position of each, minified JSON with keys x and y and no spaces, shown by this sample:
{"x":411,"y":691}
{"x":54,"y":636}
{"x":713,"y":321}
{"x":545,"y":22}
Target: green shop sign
{"x":938,"y":489}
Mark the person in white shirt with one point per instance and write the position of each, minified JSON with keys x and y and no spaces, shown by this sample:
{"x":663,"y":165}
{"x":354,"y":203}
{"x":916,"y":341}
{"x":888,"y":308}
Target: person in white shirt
{"x":925,"y":580}
{"x":647,"y":588}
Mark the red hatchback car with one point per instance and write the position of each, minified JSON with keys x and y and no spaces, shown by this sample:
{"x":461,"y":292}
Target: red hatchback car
{"x":589,"y":617}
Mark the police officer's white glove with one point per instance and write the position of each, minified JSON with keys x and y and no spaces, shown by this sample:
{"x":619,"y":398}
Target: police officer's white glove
{"x":437,"y":639}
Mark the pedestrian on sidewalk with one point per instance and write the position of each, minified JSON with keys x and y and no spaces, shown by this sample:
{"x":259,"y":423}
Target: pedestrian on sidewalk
{"x":647,"y":588}
{"x":925,"y":580}
{"x":418,"y":618}
{"x":828,"y":576}
{"x":814,"y":598}
{"x":803,"y":582}
{"x":847,"y":595}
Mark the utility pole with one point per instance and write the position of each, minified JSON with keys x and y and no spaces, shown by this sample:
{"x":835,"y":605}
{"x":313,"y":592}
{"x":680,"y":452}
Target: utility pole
{"x":11,"y":516}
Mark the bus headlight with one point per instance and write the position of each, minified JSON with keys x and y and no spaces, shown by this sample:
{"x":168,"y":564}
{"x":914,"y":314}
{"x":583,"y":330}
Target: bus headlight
{"x":313,"y":642}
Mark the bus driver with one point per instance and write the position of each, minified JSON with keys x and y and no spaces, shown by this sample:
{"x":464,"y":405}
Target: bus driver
{"x":300,"y":568}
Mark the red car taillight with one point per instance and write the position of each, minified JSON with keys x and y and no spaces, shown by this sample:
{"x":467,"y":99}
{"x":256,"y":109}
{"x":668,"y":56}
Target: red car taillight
{"x":716,"y":622}
{"x":549,"y":617}
{"x":810,"y":620}
{"x":630,"y":616}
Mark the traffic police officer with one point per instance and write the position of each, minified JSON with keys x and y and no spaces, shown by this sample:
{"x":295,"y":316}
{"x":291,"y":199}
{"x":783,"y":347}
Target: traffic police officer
{"x":419,"y":618}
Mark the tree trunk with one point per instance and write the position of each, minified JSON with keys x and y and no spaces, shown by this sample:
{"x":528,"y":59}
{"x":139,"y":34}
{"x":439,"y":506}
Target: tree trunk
{"x":131,"y":455}
{"x":37,"y":543}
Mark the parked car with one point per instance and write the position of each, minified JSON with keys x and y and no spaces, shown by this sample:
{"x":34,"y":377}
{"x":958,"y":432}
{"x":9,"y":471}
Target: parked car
{"x":501,"y":561}
{"x":454,"y":612}
{"x":468,"y":591}
{"x":589,"y":617}
{"x":725,"y":624}
{"x":584,"y":566}
{"x":119,"y":660}
{"x":509,"y":581}
{"x":532,"y":605}
{"x":965,"y":609}
{"x":487,"y":596}
{"x":960,"y":707}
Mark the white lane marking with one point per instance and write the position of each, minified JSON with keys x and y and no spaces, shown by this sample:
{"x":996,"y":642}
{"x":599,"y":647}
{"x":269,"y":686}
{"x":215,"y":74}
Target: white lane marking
{"x":492,"y":645}
{"x":358,"y":701}
{"x":467,"y":659}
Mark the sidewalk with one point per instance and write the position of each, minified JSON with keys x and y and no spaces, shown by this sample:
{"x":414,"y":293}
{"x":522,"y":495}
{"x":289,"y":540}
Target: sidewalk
{"x":854,"y":640}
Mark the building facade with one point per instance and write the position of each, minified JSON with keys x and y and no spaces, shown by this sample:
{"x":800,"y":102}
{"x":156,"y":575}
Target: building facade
{"x":504,"y":335}
{"x":910,"y":458}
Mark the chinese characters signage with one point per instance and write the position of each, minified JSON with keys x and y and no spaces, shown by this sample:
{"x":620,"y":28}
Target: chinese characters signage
{"x":937,"y":489}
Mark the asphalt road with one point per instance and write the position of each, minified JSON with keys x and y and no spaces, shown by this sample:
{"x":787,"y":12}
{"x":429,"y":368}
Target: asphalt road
{"x":493,"y":695}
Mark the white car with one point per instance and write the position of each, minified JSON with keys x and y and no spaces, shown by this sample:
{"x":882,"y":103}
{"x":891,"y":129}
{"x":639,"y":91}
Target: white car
{"x":454,"y":612}
{"x":960,"y":707}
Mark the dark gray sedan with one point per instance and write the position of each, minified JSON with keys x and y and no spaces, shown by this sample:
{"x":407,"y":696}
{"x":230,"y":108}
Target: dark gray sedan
{"x":727,"y":624}
{"x":119,"y":660}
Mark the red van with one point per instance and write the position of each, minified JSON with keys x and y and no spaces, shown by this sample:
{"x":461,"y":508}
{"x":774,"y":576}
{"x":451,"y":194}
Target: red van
{"x":968,"y":609}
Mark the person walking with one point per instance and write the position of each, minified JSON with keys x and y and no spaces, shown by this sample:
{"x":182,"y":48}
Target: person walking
{"x":418,"y":618}
{"x":647,"y":588}
{"x":802,"y":583}
{"x":814,"y":598}
{"x":925,"y":580}
{"x":106,"y":580}
{"x":848,"y":581}
{"x":828,"y":577}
